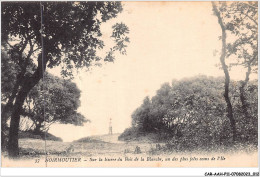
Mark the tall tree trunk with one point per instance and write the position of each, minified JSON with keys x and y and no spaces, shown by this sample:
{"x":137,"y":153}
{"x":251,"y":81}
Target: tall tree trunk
{"x":14,"y":124}
{"x":226,"y":72}
{"x":28,"y":84}
{"x":8,"y":107}
{"x":243,"y":94}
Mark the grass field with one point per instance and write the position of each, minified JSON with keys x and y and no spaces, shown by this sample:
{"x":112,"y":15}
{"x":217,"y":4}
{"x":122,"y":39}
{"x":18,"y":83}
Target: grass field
{"x":91,"y":146}
{"x":108,"y":146}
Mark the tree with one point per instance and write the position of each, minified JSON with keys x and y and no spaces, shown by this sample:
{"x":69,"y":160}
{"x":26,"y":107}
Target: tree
{"x":140,"y":117}
{"x":197,"y":112}
{"x":241,"y":19}
{"x":8,"y":75}
{"x":38,"y":34}
{"x":247,"y":130}
{"x":53,"y":101}
{"x":225,"y":67}
{"x":188,"y":112}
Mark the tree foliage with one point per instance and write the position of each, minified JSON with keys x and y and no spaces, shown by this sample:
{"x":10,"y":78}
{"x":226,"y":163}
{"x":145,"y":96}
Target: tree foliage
{"x":239,"y":25}
{"x":38,"y":35}
{"x":242,"y":22}
{"x":190,"y":113}
{"x":53,"y":100}
{"x":68,"y":27}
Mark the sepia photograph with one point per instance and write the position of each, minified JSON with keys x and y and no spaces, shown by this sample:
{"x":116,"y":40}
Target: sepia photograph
{"x":129,"y":84}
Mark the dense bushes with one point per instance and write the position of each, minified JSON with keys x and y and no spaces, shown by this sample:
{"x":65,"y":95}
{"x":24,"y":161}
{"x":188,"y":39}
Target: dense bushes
{"x":191,"y":113}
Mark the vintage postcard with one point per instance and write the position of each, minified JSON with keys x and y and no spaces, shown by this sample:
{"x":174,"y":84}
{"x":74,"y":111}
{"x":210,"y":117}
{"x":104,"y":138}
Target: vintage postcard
{"x":129,"y":84}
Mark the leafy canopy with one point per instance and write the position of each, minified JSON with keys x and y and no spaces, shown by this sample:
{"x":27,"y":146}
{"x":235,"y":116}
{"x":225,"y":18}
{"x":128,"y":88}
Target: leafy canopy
{"x":69,"y":27}
{"x":54,"y":101}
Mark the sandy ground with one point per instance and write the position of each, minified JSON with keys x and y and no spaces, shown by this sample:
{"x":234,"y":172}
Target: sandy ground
{"x":114,"y":153}
{"x":108,"y":145}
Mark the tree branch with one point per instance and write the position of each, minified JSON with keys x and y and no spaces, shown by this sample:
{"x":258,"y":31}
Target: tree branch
{"x":250,"y":5}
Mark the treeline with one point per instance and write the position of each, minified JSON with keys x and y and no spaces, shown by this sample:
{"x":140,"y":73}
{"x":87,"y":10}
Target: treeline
{"x":191,"y":113}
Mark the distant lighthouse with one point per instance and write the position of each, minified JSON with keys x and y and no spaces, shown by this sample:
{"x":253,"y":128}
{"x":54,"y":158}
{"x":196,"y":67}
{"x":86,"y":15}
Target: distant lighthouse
{"x":110,"y":127}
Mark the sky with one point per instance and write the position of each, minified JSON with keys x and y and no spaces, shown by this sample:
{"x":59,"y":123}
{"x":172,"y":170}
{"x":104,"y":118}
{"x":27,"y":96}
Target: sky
{"x":168,"y":40}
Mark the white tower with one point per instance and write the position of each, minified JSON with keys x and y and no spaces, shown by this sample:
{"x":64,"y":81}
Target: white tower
{"x":110,"y":127}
